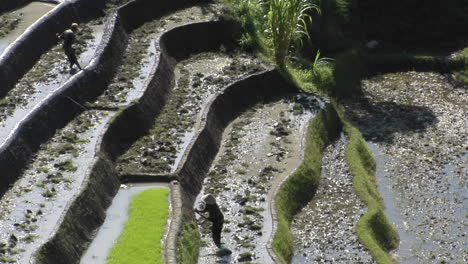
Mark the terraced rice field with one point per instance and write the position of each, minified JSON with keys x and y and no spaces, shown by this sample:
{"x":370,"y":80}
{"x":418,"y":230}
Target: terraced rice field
{"x":167,"y":98}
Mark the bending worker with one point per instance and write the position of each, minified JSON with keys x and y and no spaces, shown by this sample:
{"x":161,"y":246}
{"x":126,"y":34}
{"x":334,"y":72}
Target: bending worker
{"x":208,"y":204}
{"x":68,"y":37}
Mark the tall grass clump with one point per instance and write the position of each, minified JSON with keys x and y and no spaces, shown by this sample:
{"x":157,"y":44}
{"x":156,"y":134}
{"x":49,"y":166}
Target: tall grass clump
{"x":188,"y":244}
{"x":300,"y":187}
{"x":141,"y":239}
{"x":374,"y":230}
{"x":288,"y":20}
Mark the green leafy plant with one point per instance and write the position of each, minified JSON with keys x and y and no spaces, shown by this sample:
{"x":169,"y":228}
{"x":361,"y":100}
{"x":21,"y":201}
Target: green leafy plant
{"x":288,"y":20}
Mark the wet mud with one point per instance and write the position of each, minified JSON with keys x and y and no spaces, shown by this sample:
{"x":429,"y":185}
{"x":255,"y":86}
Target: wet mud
{"x":324,"y":230}
{"x":197,"y":80}
{"x":259,"y":149}
{"x":116,"y":217}
{"x":142,"y":54}
{"x":48,"y":75}
{"x":32,"y":207}
{"x":14,"y":23}
{"x":416,"y":125}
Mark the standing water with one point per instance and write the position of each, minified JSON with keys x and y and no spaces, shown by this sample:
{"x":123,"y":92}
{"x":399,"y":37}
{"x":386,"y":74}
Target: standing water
{"x":27,"y":15}
{"x":117,"y":216}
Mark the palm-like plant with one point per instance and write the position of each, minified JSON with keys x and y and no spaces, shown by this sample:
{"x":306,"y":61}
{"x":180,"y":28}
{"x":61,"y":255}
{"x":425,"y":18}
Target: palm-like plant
{"x":288,"y":22}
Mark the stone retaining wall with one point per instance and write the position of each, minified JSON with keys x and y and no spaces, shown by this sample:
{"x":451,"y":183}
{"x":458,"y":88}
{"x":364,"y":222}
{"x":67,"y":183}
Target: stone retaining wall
{"x":56,"y":110}
{"x":87,"y":211}
{"x":24,"y":52}
{"x":135,"y":121}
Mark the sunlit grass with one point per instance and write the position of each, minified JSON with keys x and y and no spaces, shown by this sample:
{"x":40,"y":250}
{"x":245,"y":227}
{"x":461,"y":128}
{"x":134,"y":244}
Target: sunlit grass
{"x":141,"y":239}
{"x":300,"y":187}
{"x":374,"y":229}
{"x":288,"y":21}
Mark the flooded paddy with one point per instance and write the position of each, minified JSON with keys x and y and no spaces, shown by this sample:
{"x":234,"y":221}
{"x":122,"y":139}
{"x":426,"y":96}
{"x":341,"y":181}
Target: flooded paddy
{"x":142,"y":55}
{"x":117,"y":215}
{"x":197,"y":80}
{"x":324,"y":230}
{"x":15,"y":23}
{"x":259,"y":149}
{"x":417,"y":127}
{"x":32,"y":207}
{"x":47,"y":76}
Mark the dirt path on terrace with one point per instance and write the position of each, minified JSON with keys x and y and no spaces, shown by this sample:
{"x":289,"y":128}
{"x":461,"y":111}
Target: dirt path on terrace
{"x":324,"y":230}
{"x":417,"y":126}
{"x":259,"y":149}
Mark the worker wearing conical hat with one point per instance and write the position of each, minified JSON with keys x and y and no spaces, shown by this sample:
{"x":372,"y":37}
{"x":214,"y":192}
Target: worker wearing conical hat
{"x":208,"y":204}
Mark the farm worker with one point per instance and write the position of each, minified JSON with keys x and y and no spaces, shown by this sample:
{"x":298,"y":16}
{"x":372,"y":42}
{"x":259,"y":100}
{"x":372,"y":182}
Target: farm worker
{"x":68,"y":37}
{"x":208,"y":204}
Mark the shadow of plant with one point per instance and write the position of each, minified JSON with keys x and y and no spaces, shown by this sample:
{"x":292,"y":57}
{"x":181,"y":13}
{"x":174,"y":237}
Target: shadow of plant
{"x":379,"y":122}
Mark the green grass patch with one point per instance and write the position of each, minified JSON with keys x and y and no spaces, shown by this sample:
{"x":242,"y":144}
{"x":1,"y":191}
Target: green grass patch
{"x":374,"y":230}
{"x":140,"y":241}
{"x":188,"y":244}
{"x":300,"y":187}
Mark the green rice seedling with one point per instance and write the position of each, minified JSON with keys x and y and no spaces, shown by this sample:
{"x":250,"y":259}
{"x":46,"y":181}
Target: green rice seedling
{"x":140,"y":241}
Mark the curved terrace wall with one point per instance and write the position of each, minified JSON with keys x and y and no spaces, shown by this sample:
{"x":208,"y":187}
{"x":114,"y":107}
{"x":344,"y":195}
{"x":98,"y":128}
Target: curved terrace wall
{"x":225,"y":107}
{"x":24,"y":52}
{"x":136,"y":120}
{"x":85,"y":214}
{"x":57,"y":109}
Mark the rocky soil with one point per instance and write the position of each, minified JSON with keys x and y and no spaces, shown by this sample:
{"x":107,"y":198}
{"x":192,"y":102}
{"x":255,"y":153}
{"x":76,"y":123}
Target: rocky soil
{"x":33,"y":205}
{"x":417,"y":120}
{"x":50,"y":71}
{"x":324,"y":231}
{"x":259,"y":149}
{"x":31,"y":208}
{"x":197,"y":79}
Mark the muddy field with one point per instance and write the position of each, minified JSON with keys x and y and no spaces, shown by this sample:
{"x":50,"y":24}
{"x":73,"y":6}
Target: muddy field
{"x":31,"y":209}
{"x":197,"y":80}
{"x":259,"y":149}
{"x":13,"y":24}
{"x":416,"y":125}
{"x":324,"y":230}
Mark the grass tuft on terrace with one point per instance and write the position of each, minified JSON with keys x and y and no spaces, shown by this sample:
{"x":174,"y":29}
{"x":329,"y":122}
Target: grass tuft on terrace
{"x":300,"y":187}
{"x":374,"y":229}
{"x":140,"y":241}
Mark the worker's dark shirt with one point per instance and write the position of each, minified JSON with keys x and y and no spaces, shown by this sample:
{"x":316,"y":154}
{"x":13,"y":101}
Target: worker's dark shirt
{"x":68,"y":38}
{"x":215,"y":214}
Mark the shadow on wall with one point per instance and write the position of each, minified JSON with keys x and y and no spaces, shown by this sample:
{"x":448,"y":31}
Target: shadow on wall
{"x":379,"y":122}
